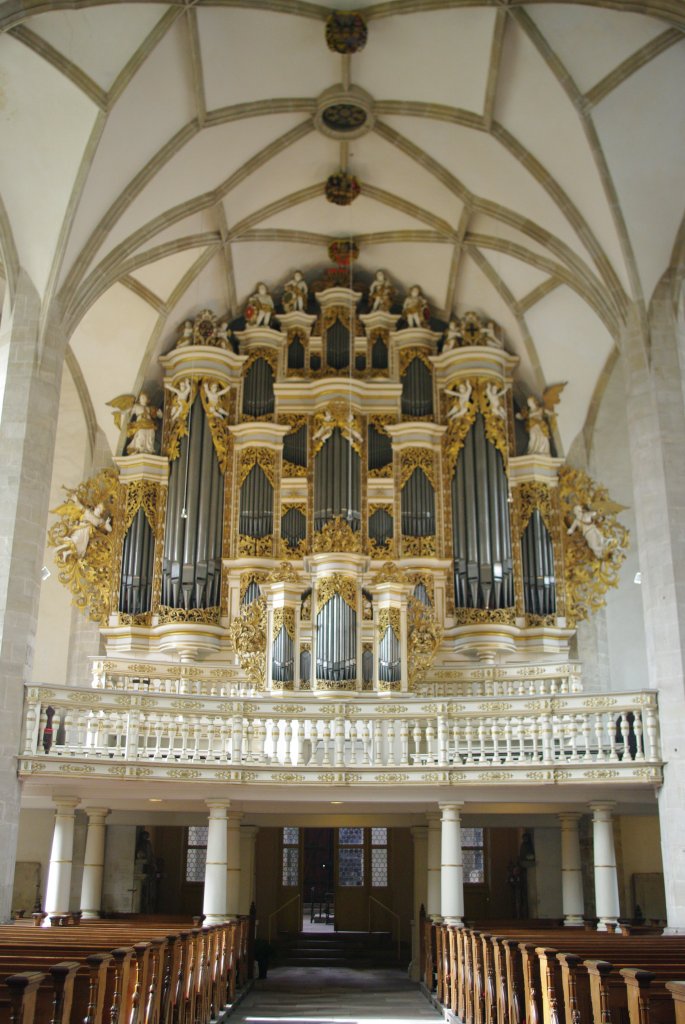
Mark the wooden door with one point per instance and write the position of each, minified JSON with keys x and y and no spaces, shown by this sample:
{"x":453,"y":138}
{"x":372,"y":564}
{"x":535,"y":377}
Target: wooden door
{"x":361,"y":880}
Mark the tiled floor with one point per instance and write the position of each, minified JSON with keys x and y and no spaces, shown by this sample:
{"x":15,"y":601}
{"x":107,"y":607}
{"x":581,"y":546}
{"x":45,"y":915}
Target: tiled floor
{"x":323,"y":995}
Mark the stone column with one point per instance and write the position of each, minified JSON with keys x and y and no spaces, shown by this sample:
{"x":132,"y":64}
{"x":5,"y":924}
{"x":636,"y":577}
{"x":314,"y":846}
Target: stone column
{"x":606,"y":879}
{"x":233,"y":866}
{"x":452,"y":871}
{"x":30,"y":380}
{"x":248,"y":836}
{"x":61,"y":856}
{"x":93,"y":862}
{"x":571,"y":873}
{"x":420,"y":837}
{"x":433,"y":879}
{"x":214,"y":899}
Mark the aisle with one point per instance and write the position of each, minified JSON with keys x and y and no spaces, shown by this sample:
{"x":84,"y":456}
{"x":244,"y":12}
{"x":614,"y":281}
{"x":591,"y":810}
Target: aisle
{"x":334,"y":995}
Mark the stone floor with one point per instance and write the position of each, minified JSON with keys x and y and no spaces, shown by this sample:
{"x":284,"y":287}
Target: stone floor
{"x":333,"y":995}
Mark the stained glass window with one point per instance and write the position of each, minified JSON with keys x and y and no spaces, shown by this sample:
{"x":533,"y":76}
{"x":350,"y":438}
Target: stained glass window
{"x":379,"y":837}
{"x":473,"y":855}
{"x":351,"y":836}
{"x":291,"y":857}
{"x":351,"y":865}
{"x":291,"y":836}
{"x":379,"y":858}
{"x":196,"y":853}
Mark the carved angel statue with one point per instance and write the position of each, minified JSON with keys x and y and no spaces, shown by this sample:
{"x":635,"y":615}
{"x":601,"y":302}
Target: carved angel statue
{"x":181,"y":399}
{"x":76,"y":543}
{"x":142,"y":422}
{"x":490,"y":335}
{"x":463,"y":397}
{"x":585,"y":519}
{"x":380,"y":293}
{"x":415,"y":309}
{"x":213,"y":398}
{"x":453,"y":336}
{"x":186,"y":337}
{"x":495,"y":397}
{"x":260,"y":307}
{"x":295,"y":294}
{"x":223,"y":335}
{"x":537,"y":418}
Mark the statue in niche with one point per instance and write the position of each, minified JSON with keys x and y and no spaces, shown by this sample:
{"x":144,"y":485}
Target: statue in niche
{"x":415,"y":309}
{"x":495,"y":397}
{"x":585,"y":520}
{"x":260,"y":307}
{"x":538,"y":416}
{"x":181,"y":400}
{"x":295,"y":294}
{"x":463,"y":398}
{"x":380,"y":293}
{"x":453,"y":336}
{"x":76,"y":543}
{"x":213,"y":398}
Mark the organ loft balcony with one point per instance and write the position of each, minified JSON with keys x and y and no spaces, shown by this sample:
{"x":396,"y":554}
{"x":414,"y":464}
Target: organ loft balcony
{"x":340,"y":549}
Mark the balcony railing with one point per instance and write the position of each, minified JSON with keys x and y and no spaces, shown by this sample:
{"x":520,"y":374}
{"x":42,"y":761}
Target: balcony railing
{"x":522,"y":738}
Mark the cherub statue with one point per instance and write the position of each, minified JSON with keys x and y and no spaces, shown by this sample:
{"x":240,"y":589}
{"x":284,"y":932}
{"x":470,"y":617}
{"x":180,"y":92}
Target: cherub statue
{"x":186,"y":335}
{"x":584,"y":519}
{"x":537,"y":417}
{"x":76,"y":543}
{"x":142,"y":423}
{"x":490,"y":335}
{"x":326,"y":427}
{"x":415,"y":308}
{"x":181,"y":399}
{"x":213,"y":398}
{"x":295,"y":294}
{"x":453,"y":336}
{"x":463,"y":396}
{"x":380,"y":293}
{"x":260,"y":307}
{"x":495,"y":397}
{"x":222,"y":335}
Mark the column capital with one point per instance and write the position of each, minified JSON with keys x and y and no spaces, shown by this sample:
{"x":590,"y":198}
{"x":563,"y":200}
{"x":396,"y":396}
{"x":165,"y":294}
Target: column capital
{"x":451,"y":806}
{"x":217,"y":805}
{"x":569,"y":817}
{"x":603,"y":808}
{"x":66,"y":803}
{"x":96,"y":812}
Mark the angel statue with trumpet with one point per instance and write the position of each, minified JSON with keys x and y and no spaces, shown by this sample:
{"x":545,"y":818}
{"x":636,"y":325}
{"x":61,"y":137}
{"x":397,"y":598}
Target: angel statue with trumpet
{"x":142,"y":422}
{"x":538,"y":416}
{"x":86,"y":522}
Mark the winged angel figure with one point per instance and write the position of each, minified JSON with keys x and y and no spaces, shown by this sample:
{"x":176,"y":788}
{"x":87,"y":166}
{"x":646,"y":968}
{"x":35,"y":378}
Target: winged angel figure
{"x":85,"y":521}
{"x":538,"y":416}
{"x":142,"y":421}
{"x":588,"y":521}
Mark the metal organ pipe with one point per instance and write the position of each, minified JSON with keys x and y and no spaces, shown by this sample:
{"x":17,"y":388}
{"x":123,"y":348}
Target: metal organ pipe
{"x":537,"y":556}
{"x":336,"y":643}
{"x":136,"y":567}
{"x":337,"y":482}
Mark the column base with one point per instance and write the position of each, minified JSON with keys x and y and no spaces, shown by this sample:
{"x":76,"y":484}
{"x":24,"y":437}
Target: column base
{"x":90,"y":915}
{"x":609,"y":924}
{"x":456,"y":922}
{"x":215,"y":919}
{"x":436,"y":918}
{"x":573,"y":921}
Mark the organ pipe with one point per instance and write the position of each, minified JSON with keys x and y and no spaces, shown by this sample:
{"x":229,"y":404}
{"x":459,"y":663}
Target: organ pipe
{"x":338,"y":346}
{"x":418,"y":506}
{"x":417,"y":390}
{"x":283,"y":657}
{"x":337,"y":483}
{"x":537,"y":556}
{"x":137,"y":562}
{"x":256,"y":505}
{"x":258,"y":390}
{"x":389,"y":657}
{"x":336,"y":641}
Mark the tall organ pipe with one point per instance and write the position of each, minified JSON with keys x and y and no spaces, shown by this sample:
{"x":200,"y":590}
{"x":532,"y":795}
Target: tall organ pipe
{"x":336,"y":641}
{"x":137,"y":567}
{"x":418,"y":506}
{"x":483,"y":564}
{"x":337,"y":482}
{"x":537,"y":556}
{"x":191,"y":566}
{"x":282,"y":657}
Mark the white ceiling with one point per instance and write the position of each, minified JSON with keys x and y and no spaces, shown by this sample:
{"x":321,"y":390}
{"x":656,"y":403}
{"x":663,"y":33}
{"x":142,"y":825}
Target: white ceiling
{"x":159,"y":159}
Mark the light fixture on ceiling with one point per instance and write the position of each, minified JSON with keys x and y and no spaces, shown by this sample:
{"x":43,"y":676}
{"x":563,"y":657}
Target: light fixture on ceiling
{"x":336,"y":801}
{"x":154,"y":800}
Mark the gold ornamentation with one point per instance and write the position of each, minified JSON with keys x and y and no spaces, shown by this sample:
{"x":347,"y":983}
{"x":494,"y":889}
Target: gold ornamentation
{"x":337,"y":535}
{"x":340,"y":684}
{"x":336,"y":583}
{"x":139,"y":619}
{"x":390,"y":573}
{"x":141,"y":494}
{"x":601,"y":773}
{"x":337,"y":416}
{"x":176,"y":423}
{"x":205,"y":616}
{"x":428,"y":582}
{"x":290,"y":469}
{"x":535,"y":495}
{"x":389,"y":618}
{"x":424,"y":634}
{"x":184,"y":773}
{"x":483,"y":616}
{"x":258,"y":577}
{"x":495,"y":705}
{"x":258,"y":547}
{"x":496,"y":776}
{"x":283,"y":573}
{"x":299,"y":550}
{"x":218,"y":417}
{"x":408,"y":355}
{"x":390,"y":777}
{"x":283,"y":617}
{"x":83,"y":538}
{"x":76,"y":769}
{"x":262,"y":457}
{"x":418,"y":547}
{"x":416,"y":458}
{"x":345,"y":314}
{"x":248,"y":636}
{"x":380,"y":423}
{"x":587,"y":576}
{"x":459,"y":426}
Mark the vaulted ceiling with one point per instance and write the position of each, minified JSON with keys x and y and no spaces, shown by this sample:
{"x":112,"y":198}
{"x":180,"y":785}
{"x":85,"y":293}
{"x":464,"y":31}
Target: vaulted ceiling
{"x":523,"y":159}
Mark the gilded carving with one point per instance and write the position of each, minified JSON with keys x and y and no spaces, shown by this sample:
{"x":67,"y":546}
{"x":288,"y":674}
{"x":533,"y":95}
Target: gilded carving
{"x":337,"y":535}
{"x":480,"y":616}
{"x":535,"y":495}
{"x":262,"y":457}
{"x":83,"y":543}
{"x":259,"y":547}
{"x":594,"y":550}
{"x":283,"y":573}
{"x":206,"y":616}
{"x":390,"y":573}
{"x":460,"y":408}
{"x":218,"y":416}
{"x":380,"y":422}
{"x":424,"y":634}
{"x":283,"y":617}
{"x":178,"y":412}
{"x":408,"y":355}
{"x":246,"y":578}
{"x":416,"y":458}
{"x":336,"y":583}
{"x":417,"y":547}
{"x":337,"y":416}
{"x":389,"y":618}
{"x":247,"y":633}
{"x":298,"y":550}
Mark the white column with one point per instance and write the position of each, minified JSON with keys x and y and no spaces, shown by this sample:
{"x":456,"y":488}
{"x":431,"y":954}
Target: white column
{"x":214,"y":900}
{"x":452,"y":871}
{"x":93,"y":862}
{"x":233,"y":866}
{"x":420,"y":837}
{"x":571,"y":873}
{"x":248,"y":836}
{"x":434,"y":869}
{"x":61,"y":856}
{"x":606,"y":879}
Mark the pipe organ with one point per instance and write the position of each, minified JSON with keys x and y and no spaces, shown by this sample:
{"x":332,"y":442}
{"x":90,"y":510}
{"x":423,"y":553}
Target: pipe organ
{"x":339,"y":505}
